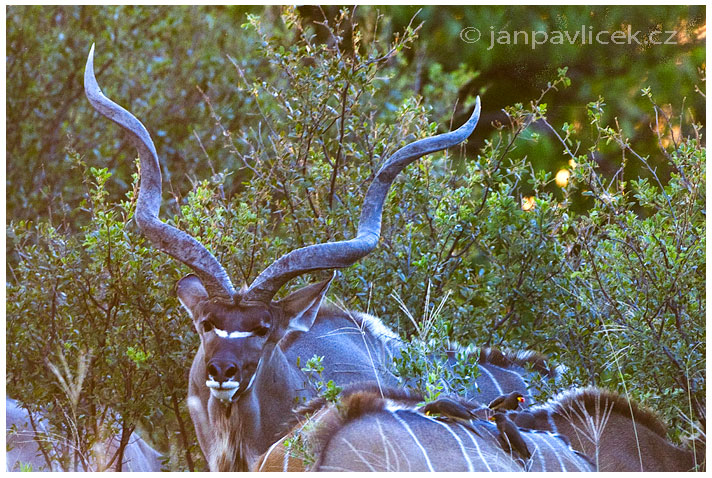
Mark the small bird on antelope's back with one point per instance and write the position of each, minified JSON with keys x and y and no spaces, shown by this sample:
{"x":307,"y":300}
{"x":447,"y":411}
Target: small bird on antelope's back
{"x":510,"y":401}
{"x":509,"y":435}
{"x":449,"y":407}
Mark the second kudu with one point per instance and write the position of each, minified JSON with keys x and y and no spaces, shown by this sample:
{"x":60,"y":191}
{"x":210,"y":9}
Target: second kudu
{"x":30,"y":445}
{"x":370,"y":431}
{"x":245,"y":379}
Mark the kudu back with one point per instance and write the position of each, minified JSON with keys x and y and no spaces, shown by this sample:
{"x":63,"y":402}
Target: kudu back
{"x":244,"y":381}
{"x":618,"y":434}
{"x":501,"y":372}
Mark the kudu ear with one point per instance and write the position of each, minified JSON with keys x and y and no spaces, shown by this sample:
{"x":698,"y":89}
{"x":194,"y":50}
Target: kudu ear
{"x":191,"y":292}
{"x":301,"y":307}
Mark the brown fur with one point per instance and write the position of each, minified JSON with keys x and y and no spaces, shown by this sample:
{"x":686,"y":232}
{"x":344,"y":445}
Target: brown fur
{"x":316,"y":410}
{"x":305,"y":411}
{"x":398,"y":394}
{"x":365,"y":391}
{"x":600,"y":423}
{"x":227,"y":453}
{"x":620,"y":405}
{"x":361,"y":399}
{"x":351,"y":443}
{"x":356,"y":401}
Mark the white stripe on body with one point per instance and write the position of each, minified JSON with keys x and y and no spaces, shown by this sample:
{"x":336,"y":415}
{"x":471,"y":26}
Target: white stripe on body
{"x":491,"y":377}
{"x":495,"y":438}
{"x":536,"y":451}
{"x":477,"y":447}
{"x":457,"y":438}
{"x":268,"y":453}
{"x":518,"y":376}
{"x":552,"y":423}
{"x":417,"y":442}
{"x":548,"y":436}
{"x":561,"y":463}
{"x":285,"y":465}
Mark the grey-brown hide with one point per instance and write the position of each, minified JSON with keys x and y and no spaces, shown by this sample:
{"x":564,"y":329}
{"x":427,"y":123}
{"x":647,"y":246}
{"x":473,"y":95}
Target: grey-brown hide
{"x":618,"y":434}
{"x":371,"y":433}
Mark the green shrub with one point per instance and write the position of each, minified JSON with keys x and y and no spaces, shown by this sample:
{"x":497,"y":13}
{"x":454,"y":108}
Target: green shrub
{"x":604,"y":274}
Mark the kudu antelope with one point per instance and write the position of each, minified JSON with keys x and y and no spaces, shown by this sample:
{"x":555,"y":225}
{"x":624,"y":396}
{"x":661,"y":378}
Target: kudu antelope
{"x":23,"y":431}
{"x":617,"y":434}
{"x":369,"y":431}
{"x":244,"y":380}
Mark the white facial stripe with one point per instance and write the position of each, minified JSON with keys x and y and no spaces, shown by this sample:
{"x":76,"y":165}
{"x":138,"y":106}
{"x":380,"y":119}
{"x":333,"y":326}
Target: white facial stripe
{"x":237,"y":334}
{"x":215,"y":384}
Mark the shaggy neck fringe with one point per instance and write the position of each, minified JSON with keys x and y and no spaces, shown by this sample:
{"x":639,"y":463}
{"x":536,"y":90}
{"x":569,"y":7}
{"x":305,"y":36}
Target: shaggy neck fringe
{"x":228,"y":452}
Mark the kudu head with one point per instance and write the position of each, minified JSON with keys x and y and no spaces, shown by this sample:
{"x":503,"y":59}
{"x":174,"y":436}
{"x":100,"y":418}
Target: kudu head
{"x":235,"y":326}
{"x":235,"y":332}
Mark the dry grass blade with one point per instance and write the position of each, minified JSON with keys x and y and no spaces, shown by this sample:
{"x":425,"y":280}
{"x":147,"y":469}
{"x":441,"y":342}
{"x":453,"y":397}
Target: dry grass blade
{"x":405,"y":310}
{"x":426,"y":324}
{"x":361,"y":328}
{"x":70,"y":384}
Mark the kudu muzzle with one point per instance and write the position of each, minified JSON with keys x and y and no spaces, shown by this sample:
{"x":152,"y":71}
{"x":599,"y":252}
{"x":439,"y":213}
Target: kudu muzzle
{"x":228,"y":376}
{"x":223,"y":380}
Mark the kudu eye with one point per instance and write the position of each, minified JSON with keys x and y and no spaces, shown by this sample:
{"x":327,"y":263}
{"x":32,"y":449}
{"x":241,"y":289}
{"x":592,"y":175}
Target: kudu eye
{"x":261,"y":331}
{"x":207,"y":326}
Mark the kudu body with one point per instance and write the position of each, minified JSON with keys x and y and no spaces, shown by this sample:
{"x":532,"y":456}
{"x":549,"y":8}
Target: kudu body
{"x":502,"y":372}
{"x":368,"y":431}
{"x":618,"y":435}
{"x":244,"y":380}
{"x":24,"y":430}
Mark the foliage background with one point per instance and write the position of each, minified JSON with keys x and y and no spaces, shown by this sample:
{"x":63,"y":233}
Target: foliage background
{"x":269,"y":128}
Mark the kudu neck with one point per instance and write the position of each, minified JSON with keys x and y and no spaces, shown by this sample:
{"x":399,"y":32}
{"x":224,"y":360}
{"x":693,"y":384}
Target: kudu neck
{"x":274,"y":394}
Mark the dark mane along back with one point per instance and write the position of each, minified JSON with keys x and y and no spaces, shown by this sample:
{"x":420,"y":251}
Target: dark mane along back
{"x":356,"y":399}
{"x":594,"y":399}
{"x":527,"y":359}
{"x":361,"y":399}
{"x":392,"y":393}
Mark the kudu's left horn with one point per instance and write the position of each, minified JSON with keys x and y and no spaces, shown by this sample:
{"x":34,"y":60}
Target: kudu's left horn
{"x":167,"y":238}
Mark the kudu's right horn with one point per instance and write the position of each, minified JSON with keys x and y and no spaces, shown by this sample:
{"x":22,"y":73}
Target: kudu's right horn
{"x":335,"y":255}
{"x":167,"y":238}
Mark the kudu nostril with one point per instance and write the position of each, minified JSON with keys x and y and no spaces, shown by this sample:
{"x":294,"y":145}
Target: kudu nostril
{"x":230,"y":371}
{"x":222,"y":371}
